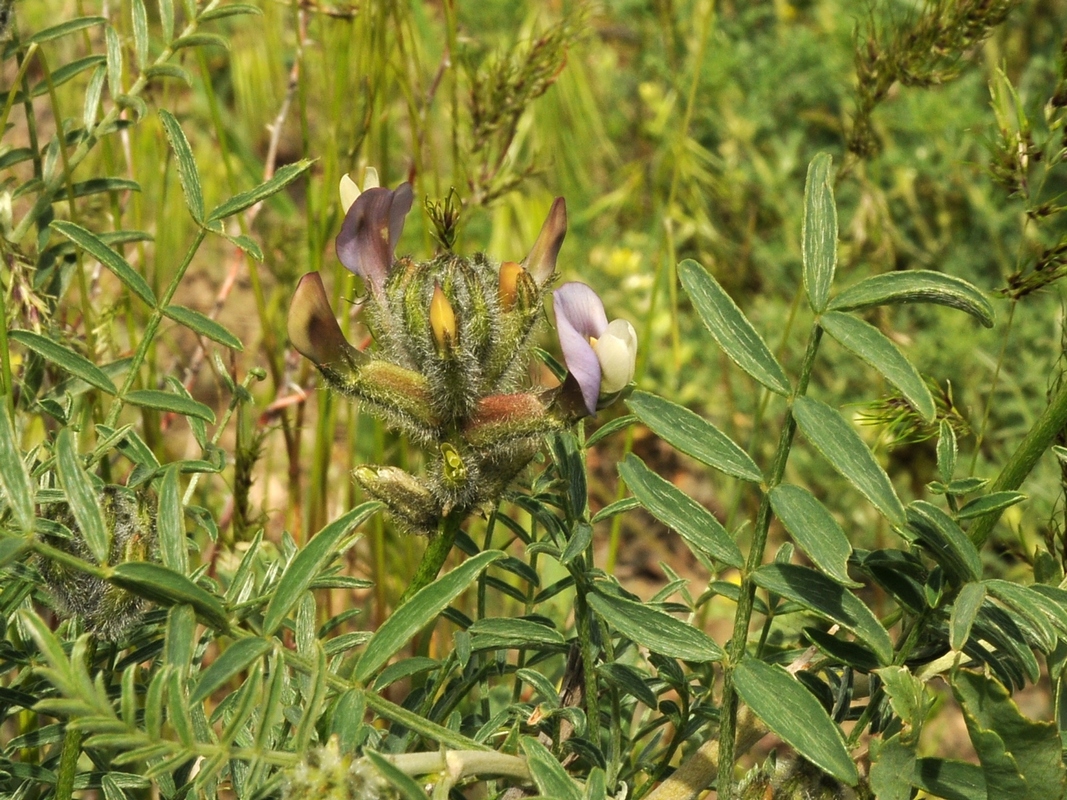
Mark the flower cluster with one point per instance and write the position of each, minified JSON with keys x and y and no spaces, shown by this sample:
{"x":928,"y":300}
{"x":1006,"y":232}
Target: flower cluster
{"x":452,"y":337}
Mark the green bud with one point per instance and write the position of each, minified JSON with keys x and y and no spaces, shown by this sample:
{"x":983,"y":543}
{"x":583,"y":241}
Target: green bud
{"x":328,"y":774}
{"x":410,"y":502}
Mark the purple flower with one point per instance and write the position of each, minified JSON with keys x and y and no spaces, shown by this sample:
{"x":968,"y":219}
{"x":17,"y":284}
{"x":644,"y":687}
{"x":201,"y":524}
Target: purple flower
{"x":371,"y":228}
{"x":600,"y":356}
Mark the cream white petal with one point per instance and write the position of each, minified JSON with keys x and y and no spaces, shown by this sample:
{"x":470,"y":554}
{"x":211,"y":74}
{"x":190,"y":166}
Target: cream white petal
{"x":616,"y":350}
{"x":349,"y":191}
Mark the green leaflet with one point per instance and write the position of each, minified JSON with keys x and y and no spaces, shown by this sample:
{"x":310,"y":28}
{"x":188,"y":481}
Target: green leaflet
{"x":871,"y":345}
{"x":731,"y":328}
{"x":819,"y":240}
{"x":916,"y":286}
{"x":832,"y":436}
{"x":793,"y":713}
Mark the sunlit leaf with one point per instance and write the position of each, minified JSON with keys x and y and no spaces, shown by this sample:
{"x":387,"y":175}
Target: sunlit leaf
{"x":874,"y":347}
{"x":946,"y":541}
{"x":655,"y":629}
{"x":188,"y":174}
{"x":820,"y":231}
{"x":731,"y":328}
{"x":282,"y":178}
{"x":916,"y":286}
{"x":814,"y":529}
{"x":693,"y":435}
{"x":674,"y":508}
{"x":793,"y":713}
{"x":832,"y":436}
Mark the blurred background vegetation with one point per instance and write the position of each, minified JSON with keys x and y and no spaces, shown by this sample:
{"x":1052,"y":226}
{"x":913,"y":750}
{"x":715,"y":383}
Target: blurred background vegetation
{"x":674,"y":129}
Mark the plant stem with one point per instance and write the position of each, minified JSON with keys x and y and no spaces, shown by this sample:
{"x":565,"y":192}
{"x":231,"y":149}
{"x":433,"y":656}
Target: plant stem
{"x":150,"y":330}
{"x":697,"y":772}
{"x":72,"y":744}
{"x":434,"y":557}
{"x":1038,"y":439}
{"x":736,"y":648}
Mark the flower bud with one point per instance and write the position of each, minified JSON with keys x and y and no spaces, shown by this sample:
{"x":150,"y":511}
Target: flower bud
{"x":616,"y":350}
{"x":541,"y":261}
{"x":509,"y":276}
{"x":410,"y":503}
{"x":442,"y":320}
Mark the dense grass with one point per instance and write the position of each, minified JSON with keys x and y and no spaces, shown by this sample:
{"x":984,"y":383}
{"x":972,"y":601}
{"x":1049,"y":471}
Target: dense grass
{"x":675,"y":131}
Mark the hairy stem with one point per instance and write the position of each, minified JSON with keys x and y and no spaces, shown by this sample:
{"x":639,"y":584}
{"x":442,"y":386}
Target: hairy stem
{"x":736,"y":649}
{"x":434,"y":557}
{"x":1038,"y":439}
{"x":72,"y":744}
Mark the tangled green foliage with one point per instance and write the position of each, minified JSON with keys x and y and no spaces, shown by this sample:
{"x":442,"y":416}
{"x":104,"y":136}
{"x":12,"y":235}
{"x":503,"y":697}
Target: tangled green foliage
{"x":830,"y":518}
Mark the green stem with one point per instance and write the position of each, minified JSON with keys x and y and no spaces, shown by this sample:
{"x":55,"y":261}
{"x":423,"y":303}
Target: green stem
{"x":434,"y":557}
{"x":150,"y":331}
{"x":993,"y":385}
{"x":736,"y":648}
{"x":909,"y":639}
{"x":72,"y":744}
{"x":1038,"y":439}
{"x":583,"y":622}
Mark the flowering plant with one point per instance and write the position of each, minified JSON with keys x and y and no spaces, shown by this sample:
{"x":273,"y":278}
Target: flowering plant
{"x":452,"y":338}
